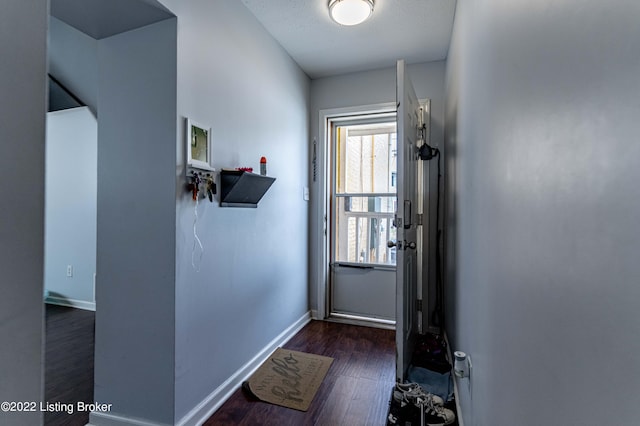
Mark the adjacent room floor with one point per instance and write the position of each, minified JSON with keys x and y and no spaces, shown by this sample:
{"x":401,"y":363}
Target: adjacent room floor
{"x":68,"y":362}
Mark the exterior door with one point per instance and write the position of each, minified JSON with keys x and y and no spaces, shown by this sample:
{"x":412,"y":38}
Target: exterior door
{"x":363,"y":203}
{"x":408,"y":120}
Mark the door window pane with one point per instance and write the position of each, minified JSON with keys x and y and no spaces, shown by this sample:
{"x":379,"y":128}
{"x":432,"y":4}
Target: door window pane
{"x":366,"y":159}
{"x":365,"y":163}
{"x":363,"y":227}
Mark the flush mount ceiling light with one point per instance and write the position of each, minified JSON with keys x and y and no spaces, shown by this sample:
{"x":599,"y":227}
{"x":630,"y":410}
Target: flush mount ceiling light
{"x":350,"y":12}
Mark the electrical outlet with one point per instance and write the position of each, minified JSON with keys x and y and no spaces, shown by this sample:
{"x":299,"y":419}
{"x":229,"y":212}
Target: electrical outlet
{"x":69,"y":270}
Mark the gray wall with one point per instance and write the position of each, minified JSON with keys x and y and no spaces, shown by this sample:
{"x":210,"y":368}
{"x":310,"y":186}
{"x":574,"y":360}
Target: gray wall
{"x":70,"y":206}
{"x":543,"y":208}
{"x":252,"y":278}
{"x":367,"y":88}
{"x":379,"y":86}
{"x":73,"y":60}
{"x":135,"y":291}
{"x":22,"y":130}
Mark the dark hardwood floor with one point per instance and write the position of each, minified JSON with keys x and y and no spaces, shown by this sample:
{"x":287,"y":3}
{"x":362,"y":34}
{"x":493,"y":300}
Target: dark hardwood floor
{"x":68,"y":362}
{"x":355,"y":391}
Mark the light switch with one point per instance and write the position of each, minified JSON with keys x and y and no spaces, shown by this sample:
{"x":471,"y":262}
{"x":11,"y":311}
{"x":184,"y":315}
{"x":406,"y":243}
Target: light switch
{"x":305,"y":193}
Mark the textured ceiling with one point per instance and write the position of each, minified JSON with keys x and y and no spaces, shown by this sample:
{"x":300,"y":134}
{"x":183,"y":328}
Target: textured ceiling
{"x":413,"y":30}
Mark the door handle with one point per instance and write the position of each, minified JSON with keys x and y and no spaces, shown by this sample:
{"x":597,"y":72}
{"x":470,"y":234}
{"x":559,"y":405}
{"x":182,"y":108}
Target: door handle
{"x":411,"y":245}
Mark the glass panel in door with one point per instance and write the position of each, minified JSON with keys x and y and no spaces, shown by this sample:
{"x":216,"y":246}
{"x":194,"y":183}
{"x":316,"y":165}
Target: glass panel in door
{"x":363,"y":208}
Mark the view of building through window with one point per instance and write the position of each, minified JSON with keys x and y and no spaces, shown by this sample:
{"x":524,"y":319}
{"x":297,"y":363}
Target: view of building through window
{"x":365,"y":193}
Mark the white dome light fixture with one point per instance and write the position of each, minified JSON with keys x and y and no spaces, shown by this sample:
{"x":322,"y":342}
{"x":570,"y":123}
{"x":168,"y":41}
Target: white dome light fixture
{"x":350,"y":12}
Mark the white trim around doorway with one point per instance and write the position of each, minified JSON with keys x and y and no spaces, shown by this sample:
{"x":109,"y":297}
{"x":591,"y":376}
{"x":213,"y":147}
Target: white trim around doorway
{"x":320,"y":250}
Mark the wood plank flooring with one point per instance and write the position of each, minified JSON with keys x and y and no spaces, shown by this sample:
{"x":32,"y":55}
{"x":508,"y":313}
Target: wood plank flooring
{"x":355,"y":391}
{"x":68,"y":362}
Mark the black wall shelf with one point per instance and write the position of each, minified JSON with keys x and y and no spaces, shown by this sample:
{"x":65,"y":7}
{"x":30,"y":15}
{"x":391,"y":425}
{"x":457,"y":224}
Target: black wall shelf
{"x":242,"y":189}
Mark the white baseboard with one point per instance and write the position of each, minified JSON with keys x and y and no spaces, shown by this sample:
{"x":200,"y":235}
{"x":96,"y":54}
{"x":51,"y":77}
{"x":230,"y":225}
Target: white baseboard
{"x":456,"y":394}
{"x":314,"y":314}
{"x":107,"y":419}
{"x":200,"y":413}
{"x":72,"y":303}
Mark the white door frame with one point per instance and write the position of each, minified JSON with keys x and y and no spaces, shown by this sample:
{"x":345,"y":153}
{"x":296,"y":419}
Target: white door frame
{"x":320,"y":225}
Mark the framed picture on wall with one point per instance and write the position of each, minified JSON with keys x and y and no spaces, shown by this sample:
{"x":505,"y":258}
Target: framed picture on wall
{"x":198,"y":142}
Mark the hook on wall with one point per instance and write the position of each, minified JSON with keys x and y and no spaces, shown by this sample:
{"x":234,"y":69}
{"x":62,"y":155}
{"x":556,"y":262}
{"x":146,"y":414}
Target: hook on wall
{"x":201,"y":183}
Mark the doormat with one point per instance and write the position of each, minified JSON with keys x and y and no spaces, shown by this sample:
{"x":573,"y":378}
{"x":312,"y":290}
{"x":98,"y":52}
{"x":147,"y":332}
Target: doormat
{"x":289,"y":378}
